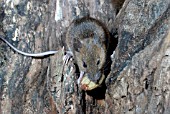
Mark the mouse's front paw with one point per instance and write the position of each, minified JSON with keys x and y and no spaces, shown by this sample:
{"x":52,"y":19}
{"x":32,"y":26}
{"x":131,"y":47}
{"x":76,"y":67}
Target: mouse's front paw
{"x":68,"y":55}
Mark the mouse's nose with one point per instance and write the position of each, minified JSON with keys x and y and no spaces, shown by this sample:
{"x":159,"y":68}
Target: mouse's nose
{"x":95,"y":77}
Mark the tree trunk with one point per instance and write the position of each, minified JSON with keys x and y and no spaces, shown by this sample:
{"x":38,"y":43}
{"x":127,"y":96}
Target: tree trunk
{"x":137,"y":76}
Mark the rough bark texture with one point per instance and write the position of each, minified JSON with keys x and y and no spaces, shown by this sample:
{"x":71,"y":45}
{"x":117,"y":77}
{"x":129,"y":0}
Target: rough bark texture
{"x":139,"y":76}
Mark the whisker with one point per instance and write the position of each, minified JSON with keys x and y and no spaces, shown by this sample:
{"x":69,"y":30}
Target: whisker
{"x":77,"y":73}
{"x":107,"y":64}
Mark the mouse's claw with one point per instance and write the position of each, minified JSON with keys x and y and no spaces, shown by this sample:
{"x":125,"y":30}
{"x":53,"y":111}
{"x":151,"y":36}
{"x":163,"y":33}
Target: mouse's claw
{"x":67,"y":57}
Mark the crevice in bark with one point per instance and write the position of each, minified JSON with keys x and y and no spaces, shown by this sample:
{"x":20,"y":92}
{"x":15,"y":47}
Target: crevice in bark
{"x":118,"y":5}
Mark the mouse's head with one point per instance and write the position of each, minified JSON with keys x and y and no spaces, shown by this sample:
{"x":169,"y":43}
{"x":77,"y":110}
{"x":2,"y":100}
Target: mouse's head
{"x":91,"y":59}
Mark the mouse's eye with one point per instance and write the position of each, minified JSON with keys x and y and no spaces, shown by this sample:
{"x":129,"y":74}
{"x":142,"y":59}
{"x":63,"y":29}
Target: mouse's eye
{"x":84,"y":65}
{"x":91,"y":34}
{"x":98,"y":62}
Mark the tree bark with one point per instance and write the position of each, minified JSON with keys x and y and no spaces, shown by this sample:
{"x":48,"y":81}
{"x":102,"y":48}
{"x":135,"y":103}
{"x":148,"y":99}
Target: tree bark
{"x":137,"y":75}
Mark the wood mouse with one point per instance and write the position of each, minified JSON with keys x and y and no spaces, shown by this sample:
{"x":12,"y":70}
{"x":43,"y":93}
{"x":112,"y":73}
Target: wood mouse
{"x":87,"y":40}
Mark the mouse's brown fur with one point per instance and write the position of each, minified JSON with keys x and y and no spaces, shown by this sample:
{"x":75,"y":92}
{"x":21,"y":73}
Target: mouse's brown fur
{"x":88,"y":39}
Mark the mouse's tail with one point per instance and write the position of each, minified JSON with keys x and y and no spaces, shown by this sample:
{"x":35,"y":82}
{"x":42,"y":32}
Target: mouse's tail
{"x":28,"y":54}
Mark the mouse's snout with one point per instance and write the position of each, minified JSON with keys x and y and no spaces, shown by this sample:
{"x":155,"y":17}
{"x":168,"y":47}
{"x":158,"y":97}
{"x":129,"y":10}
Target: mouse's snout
{"x":95,"y":77}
